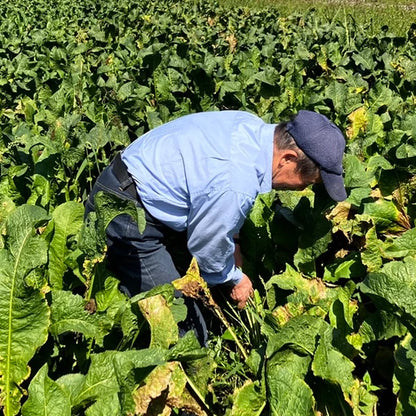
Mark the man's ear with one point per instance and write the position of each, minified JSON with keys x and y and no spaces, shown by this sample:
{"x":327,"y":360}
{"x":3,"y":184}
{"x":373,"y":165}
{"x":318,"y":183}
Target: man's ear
{"x":288,"y":156}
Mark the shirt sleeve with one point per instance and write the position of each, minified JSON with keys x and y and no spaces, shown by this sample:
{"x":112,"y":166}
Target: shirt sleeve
{"x":213,"y":220}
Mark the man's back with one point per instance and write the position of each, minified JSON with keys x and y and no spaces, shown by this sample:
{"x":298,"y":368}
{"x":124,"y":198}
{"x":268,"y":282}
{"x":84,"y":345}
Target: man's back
{"x":198,"y":155}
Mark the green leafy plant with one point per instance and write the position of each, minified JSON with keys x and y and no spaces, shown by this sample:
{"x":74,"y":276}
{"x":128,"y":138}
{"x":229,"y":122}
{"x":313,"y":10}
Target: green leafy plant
{"x":330,"y":329}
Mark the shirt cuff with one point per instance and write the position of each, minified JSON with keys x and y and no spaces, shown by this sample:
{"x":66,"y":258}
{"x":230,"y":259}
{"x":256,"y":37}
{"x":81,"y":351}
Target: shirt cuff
{"x":231,"y":278}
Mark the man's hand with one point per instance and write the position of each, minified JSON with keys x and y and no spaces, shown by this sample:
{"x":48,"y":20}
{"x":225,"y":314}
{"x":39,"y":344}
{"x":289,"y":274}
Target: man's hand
{"x":242,"y":291}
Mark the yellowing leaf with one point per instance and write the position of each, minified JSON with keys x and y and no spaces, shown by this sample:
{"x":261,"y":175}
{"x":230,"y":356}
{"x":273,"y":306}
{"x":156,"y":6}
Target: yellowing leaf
{"x":322,"y":58}
{"x":194,"y":286}
{"x":340,"y":213}
{"x":163,"y":390}
{"x":164,"y":331}
{"x":363,"y":401}
{"x":358,"y":122}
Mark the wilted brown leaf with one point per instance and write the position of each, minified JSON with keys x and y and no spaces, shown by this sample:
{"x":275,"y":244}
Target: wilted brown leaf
{"x":194,"y":286}
{"x":163,"y":390}
{"x":232,"y":42}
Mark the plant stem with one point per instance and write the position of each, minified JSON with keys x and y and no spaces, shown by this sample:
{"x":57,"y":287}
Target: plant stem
{"x":223,"y":319}
{"x":261,"y":409}
{"x":195,"y":390}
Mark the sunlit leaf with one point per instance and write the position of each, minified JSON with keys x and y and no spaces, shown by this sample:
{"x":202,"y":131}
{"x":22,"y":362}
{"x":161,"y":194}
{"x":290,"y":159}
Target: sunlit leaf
{"x":394,"y":283}
{"x":249,"y":399}
{"x":46,"y":397}
{"x":288,"y":393}
{"x":164,"y":330}
{"x":24,"y":313}
{"x":68,"y":219}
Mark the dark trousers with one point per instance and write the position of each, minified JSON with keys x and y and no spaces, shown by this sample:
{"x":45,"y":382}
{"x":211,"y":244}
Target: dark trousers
{"x":142,"y":261}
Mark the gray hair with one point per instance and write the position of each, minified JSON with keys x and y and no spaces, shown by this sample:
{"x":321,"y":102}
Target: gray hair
{"x":284,"y":141}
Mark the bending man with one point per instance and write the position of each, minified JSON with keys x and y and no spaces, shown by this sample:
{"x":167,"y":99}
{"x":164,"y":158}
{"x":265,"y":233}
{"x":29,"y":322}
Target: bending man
{"x":197,"y":178}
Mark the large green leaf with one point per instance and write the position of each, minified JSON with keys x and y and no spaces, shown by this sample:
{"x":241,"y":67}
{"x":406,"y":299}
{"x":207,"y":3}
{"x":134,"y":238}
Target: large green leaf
{"x":314,"y":237}
{"x":373,"y":253}
{"x":249,"y":400}
{"x":381,"y":325}
{"x":329,"y":364}
{"x":394,"y":284}
{"x":348,"y":267}
{"x":46,"y":397}
{"x":356,"y":175}
{"x":402,"y":246}
{"x":68,"y":219}
{"x":24,"y":314}
{"x":100,"y":382}
{"x":109,"y":382}
{"x":108,"y":207}
{"x":97,"y":389}
{"x":69,"y":313}
{"x":41,"y":191}
{"x":300,"y":333}
{"x":287,"y":392}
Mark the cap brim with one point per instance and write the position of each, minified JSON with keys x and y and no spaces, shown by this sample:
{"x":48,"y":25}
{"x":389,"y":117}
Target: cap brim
{"x":334,"y":185}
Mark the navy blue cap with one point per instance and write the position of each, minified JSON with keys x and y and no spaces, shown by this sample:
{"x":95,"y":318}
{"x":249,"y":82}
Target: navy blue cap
{"x":323,"y":142}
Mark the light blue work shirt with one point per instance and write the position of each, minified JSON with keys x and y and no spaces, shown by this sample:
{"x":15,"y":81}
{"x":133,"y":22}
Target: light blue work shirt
{"x":202,"y":173}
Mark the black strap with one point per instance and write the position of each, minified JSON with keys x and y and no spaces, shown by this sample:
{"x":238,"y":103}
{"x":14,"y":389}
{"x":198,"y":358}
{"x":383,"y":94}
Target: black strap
{"x":126,"y":181}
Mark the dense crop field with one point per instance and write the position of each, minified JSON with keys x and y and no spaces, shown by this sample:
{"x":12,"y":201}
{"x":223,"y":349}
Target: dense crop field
{"x":396,"y":15}
{"x":330,"y":328}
